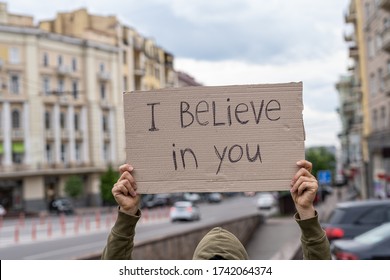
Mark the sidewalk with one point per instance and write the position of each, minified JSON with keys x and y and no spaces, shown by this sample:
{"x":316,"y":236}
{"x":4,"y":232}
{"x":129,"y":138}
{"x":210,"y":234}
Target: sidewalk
{"x":279,"y":237}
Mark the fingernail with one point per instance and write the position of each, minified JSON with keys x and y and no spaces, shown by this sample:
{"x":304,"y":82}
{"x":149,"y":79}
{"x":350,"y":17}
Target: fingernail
{"x":131,"y":168}
{"x":299,"y":162}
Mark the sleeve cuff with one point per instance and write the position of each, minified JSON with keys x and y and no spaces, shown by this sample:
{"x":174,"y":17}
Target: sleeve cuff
{"x":125,"y":224}
{"x":310,"y":228}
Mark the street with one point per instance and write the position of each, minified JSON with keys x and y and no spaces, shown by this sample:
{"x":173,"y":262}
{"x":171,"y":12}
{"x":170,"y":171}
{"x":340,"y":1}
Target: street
{"x":73,"y":237}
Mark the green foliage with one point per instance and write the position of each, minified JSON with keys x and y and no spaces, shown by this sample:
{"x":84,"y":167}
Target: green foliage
{"x":74,"y":186}
{"x":107,"y":181}
{"x":321,"y":158}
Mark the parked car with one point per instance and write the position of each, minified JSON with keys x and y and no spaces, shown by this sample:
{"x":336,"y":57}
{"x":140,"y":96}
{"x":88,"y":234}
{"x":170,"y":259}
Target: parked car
{"x":349,"y":219}
{"x":214,"y":197}
{"x":184,"y":211}
{"x":266,"y":201}
{"x":2,"y":211}
{"x":157,"y":200}
{"x":61,"y":205}
{"x":371,"y":245}
{"x":194,"y":197}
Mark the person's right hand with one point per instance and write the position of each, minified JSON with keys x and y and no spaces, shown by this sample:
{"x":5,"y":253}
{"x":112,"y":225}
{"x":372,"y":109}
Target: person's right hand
{"x":124,"y":191}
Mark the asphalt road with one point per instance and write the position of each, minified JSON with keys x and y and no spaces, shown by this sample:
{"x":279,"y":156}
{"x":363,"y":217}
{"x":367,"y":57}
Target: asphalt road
{"x":71,"y":245}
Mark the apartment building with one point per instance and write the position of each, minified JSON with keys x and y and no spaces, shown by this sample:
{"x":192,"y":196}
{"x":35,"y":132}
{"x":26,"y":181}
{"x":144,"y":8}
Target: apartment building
{"x":61,"y":111}
{"x":370,"y":52}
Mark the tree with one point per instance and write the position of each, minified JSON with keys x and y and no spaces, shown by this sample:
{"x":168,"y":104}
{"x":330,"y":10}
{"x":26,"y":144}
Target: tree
{"x":321,"y":158}
{"x":74,"y":186}
{"x":107,"y":180}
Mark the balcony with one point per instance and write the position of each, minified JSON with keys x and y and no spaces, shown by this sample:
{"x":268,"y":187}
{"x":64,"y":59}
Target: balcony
{"x":386,"y":39}
{"x":387,"y":84}
{"x":17,"y":134}
{"x":385,"y":4}
{"x":63,"y":70}
{"x":353,"y":52}
{"x":64,"y":134}
{"x":78,"y":134}
{"x":349,"y":37}
{"x":139,"y":71}
{"x":350,"y":17}
{"x":64,"y":100}
{"x":49,"y":134}
{"x":104,"y":76}
{"x":106,"y":135}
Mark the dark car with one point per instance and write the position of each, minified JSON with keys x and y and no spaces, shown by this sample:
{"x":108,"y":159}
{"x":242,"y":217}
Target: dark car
{"x":349,"y":219}
{"x":371,"y":245}
{"x":61,"y":205}
{"x":157,"y":200}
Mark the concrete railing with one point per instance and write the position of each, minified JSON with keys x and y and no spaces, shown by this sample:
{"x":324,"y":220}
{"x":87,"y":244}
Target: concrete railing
{"x":181,"y":246}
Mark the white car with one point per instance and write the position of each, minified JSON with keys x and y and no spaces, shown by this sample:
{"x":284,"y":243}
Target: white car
{"x":2,"y":210}
{"x":266,"y":201}
{"x":184,"y":211}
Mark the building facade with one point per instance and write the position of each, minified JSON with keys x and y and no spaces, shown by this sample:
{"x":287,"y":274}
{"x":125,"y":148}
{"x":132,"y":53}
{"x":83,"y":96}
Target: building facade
{"x":369,"y":49}
{"x":61,"y":110}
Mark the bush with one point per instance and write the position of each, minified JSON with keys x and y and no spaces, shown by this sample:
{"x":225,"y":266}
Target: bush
{"x":74,"y":186}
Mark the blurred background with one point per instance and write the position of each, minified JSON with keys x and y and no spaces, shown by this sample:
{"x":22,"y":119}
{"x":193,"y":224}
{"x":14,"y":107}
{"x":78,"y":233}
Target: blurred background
{"x":65,"y":64}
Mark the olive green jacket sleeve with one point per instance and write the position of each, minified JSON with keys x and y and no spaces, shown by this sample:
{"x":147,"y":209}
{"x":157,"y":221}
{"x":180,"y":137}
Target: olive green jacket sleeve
{"x":315,"y":244}
{"x":120,"y":242}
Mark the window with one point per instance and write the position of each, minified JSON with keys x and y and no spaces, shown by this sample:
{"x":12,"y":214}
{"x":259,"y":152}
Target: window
{"x":15,"y":119}
{"x":78,"y":151}
{"x":63,"y":153}
{"x":105,"y":123}
{"x":46,"y":85}
{"x":62,"y":120}
{"x":45,"y":59}
{"x":157,"y":73}
{"x":17,"y":158}
{"x":124,"y":57}
{"x":383,"y":117}
{"x":106,"y":151}
{"x":101,"y":67}
{"x":14,"y":57}
{"x":388,"y":67}
{"x":370,"y":46}
{"x":14,"y":88}
{"x":124,"y":82}
{"x":74,"y":64}
{"x":76,"y":121}
{"x":381,"y":79}
{"x":59,"y":60}
{"x":75,"y":86}
{"x":49,"y":153}
{"x":372,"y":84}
{"x":103,"y":91}
{"x":367,"y":11}
{"x":47,"y":120}
{"x":378,"y":41}
{"x":375,"y":119}
{"x":61,"y":86}
{"x":375,"y":216}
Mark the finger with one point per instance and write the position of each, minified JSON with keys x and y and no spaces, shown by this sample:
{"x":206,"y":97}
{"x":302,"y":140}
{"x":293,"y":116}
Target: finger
{"x":129,"y":188}
{"x":125,"y":167}
{"x":306,"y":186}
{"x":301,"y":180}
{"x":120,"y":188}
{"x":305,"y":164}
{"x":127,"y":176}
{"x":301,"y":172}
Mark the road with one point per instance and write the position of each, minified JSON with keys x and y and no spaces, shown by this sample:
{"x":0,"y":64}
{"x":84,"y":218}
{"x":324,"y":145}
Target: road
{"x":74,"y":237}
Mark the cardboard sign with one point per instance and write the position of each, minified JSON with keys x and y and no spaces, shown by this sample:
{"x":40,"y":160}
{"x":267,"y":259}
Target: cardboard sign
{"x":215,"y":139}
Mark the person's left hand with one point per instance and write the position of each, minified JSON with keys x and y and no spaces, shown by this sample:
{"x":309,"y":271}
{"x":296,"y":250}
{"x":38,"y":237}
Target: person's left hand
{"x":303,"y":190}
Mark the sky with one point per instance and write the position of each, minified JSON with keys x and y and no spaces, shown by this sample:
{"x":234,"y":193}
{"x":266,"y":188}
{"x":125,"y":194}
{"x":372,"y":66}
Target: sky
{"x":226,"y":42}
